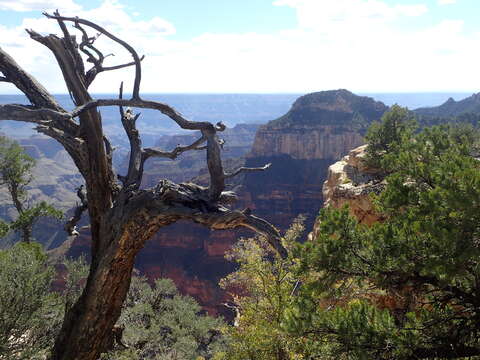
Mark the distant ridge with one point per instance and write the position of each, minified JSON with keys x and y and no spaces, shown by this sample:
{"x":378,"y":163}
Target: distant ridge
{"x":452,"y":108}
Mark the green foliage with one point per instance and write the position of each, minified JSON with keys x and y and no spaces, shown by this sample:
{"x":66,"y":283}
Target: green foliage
{"x":15,"y":167}
{"x":28,"y":309}
{"x":16,"y":174}
{"x":28,"y":217}
{"x":407,"y":287}
{"x":384,"y":137}
{"x":75,"y":277}
{"x":267,"y":284}
{"x":159,"y":323}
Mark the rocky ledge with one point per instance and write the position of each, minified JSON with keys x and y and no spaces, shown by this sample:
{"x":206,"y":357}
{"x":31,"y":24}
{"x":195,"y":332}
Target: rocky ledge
{"x":350,"y":181}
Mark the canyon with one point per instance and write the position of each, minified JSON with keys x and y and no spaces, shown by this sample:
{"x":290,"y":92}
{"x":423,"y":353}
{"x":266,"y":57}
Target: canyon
{"x":318,"y":130}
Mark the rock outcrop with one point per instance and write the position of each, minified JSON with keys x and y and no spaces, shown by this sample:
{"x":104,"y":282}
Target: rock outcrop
{"x":351,"y":182}
{"x":323,"y":125}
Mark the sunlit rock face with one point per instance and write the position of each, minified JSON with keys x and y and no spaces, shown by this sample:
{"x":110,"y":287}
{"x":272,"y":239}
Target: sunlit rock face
{"x":319,"y":129}
{"x":301,"y":145}
{"x":351,"y":182}
{"x":323,"y":125}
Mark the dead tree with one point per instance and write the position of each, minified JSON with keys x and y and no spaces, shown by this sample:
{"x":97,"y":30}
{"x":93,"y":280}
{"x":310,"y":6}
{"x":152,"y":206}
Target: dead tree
{"x":122,"y":215}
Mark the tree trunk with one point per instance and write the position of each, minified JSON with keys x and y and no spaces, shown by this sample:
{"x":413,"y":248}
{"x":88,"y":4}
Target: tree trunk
{"x":122,"y":216}
{"x":87,"y":327}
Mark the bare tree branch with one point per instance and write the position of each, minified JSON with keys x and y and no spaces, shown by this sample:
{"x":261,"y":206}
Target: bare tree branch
{"x":75,"y":146}
{"x":135,"y":164}
{"x":27,"y":84}
{"x":247,"y":169}
{"x":191,"y":201}
{"x":71,"y":45}
{"x":146,"y":104}
{"x":87,"y":42}
{"x":121,"y":66}
{"x":268,"y":230}
{"x":152,"y":152}
{"x":128,"y":47}
{"x":31,"y":114}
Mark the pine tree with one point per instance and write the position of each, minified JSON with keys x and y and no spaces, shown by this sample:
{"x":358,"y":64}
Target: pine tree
{"x":16,"y":175}
{"x":408,"y":287}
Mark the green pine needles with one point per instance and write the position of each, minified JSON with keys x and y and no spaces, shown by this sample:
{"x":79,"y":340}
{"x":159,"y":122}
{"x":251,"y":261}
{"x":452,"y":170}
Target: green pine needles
{"x":16,"y":175}
{"x":408,"y":287}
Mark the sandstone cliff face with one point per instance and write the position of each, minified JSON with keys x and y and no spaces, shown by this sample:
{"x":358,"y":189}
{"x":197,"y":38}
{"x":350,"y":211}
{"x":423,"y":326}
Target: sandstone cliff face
{"x":306,"y":141}
{"x":324,"y":125}
{"x":319,"y":129}
{"x":350,"y":181}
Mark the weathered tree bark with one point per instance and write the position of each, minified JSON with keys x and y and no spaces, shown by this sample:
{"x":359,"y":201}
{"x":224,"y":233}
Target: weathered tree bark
{"x":122,"y":216}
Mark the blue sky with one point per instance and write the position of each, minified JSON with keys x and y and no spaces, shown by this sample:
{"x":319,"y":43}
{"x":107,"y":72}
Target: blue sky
{"x":269,"y":45}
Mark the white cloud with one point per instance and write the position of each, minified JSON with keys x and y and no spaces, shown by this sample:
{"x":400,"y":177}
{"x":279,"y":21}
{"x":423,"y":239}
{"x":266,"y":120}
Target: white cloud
{"x":38,"y":5}
{"x":354,"y":44}
{"x":316,"y":14}
{"x":145,"y":35}
{"x":446,"y":2}
{"x":411,"y":10}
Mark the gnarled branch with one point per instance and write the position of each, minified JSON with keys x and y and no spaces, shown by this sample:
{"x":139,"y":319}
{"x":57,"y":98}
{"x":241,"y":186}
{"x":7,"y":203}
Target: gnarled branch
{"x":121,"y":66}
{"x":27,"y":84}
{"x":152,"y":152}
{"x":165,"y":109}
{"x":247,"y":169}
{"x":214,"y":161}
{"x":192,"y":202}
{"x":30,"y":114}
{"x":87,"y":43}
{"x":128,"y":47}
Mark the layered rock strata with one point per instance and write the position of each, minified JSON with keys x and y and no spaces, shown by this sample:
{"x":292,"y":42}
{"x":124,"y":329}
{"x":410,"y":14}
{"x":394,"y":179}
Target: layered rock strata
{"x":317,"y":131}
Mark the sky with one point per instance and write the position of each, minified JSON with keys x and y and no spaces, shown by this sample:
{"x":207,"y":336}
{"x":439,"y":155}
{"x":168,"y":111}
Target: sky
{"x":264,"y":46}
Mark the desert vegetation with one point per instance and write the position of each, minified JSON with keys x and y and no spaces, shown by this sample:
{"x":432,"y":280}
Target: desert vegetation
{"x":404,"y":287}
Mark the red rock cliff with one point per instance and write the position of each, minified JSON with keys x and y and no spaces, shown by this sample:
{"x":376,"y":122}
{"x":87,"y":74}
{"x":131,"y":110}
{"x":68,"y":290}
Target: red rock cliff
{"x":317,"y":131}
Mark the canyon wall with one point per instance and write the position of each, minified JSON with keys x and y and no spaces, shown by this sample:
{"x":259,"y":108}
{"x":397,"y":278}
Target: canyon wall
{"x":318,"y":130}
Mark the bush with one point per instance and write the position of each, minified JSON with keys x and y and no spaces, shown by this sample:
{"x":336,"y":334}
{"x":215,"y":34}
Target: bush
{"x":406,"y":288}
{"x":29,"y":311}
{"x":159,"y":323}
{"x":384,"y":137}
